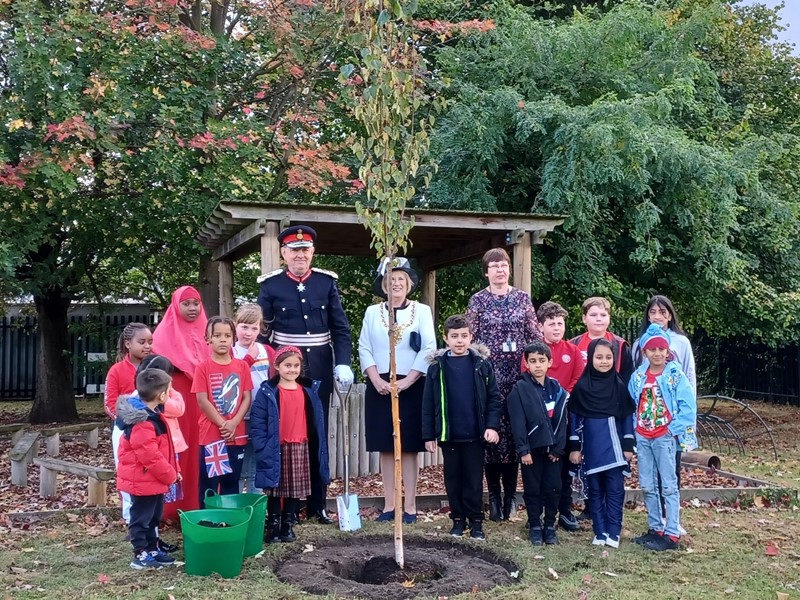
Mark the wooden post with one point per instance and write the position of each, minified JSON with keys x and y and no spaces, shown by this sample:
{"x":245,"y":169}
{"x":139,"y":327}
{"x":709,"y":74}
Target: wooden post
{"x":428,"y":295}
{"x":92,"y":437}
{"x":522,"y":260}
{"x":209,"y":285}
{"x":53,"y":447}
{"x":225,"y":268}
{"x":48,"y":478}
{"x":97,"y":492}
{"x":270,"y":250}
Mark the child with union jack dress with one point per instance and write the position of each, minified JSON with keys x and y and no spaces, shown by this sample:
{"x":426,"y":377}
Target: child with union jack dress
{"x":287,"y":428}
{"x":223,"y":386}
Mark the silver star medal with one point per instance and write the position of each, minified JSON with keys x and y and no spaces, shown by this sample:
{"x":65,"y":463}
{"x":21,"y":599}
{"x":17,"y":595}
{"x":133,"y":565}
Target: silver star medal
{"x":301,"y":287}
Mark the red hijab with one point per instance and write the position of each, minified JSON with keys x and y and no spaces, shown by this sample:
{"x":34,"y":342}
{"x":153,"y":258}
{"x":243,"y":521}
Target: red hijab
{"x":182,"y":342}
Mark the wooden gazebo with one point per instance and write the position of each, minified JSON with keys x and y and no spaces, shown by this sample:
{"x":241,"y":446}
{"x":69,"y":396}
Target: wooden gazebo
{"x":439,"y":238}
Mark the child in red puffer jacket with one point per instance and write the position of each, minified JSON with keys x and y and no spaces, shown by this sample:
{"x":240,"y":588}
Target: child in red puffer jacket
{"x":147,"y":464}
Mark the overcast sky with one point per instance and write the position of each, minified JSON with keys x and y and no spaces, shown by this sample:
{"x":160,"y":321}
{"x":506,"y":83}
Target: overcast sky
{"x":790,"y":18}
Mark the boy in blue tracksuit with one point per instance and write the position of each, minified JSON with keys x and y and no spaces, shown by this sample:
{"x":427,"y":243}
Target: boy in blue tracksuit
{"x":461,"y":410}
{"x":537,"y":408}
{"x":666,"y":411}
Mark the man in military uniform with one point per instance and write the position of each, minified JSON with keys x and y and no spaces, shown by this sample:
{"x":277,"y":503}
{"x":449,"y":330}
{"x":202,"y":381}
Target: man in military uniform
{"x":302,"y":307}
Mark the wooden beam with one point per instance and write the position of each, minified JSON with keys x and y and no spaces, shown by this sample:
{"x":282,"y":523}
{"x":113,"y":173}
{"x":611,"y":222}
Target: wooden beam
{"x":242,"y":238}
{"x":270,"y":250}
{"x":461,"y":253}
{"x":422,"y":218}
{"x":225,"y":288}
{"x":522,"y":260}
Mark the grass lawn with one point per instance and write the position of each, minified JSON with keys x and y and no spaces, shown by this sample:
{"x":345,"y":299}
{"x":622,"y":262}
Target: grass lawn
{"x":730,"y":553}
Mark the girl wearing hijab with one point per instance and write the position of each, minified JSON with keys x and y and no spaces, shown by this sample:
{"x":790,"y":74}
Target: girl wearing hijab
{"x":180,"y":337}
{"x":601,"y":439}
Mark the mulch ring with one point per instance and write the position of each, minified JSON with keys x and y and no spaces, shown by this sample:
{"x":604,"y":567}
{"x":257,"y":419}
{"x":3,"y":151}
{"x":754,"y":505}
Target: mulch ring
{"x":367,"y":569}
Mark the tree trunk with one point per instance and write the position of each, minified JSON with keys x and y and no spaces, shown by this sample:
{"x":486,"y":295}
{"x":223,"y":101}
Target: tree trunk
{"x":55,"y":398}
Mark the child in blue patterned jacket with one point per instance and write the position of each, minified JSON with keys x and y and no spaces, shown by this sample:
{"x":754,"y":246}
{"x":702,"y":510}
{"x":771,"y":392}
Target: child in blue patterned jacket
{"x":666,"y":411}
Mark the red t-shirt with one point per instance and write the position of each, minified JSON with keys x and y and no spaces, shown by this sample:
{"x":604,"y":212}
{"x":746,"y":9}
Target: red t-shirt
{"x":652,"y":415}
{"x":567,"y":364}
{"x":293,"y":426}
{"x":225,"y":386}
{"x":121,"y":379}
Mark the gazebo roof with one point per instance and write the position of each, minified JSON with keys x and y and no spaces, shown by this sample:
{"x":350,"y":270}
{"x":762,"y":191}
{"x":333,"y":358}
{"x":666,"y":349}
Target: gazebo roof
{"x":438,"y":238}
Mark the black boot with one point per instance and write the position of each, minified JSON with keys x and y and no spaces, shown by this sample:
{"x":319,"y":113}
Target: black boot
{"x":287,"y":525}
{"x":495,"y":500}
{"x":289,"y":519}
{"x":272,"y":532}
{"x":509,"y":490}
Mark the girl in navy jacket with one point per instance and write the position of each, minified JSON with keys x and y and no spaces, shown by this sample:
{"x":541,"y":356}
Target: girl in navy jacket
{"x":601,"y":437}
{"x":288,"y":434}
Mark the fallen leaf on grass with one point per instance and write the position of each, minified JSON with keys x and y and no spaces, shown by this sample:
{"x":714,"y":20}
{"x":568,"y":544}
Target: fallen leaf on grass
{"x":72,"y":517}
{"x":27,"y":549}
{"x":513,"y":574}
{"x":103,"y":578}
{"x":610,"y":574}
{"x":771,"y":550}
{"x":714,"y":525}
{"x":408,"y":583}
{"x":781,"y":596}
{"x":475,"y":588}
{"x":604,"y":554}
{"x":308,"y":548}
{"x":730,"y":590}
{"x":587,"y":579}
{"x":551,"y":573}
{"x":18,"y":570}
{"x":758,"y":501}
{"x":538,"y":557}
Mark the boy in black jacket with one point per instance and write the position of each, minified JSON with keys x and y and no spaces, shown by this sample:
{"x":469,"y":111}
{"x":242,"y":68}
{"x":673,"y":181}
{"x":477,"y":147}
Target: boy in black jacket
{"x":461,"y":409}
{"x":537,"y":407}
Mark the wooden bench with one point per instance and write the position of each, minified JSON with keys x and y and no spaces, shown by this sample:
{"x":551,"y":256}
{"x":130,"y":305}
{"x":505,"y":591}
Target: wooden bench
{"x":51,"y":467}
{"x":23,"y":452}
{"x":15,"y":429}
{"x":52,"y":435}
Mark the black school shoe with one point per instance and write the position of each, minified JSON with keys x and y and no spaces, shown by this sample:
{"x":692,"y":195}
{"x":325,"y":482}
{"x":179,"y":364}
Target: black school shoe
{"x":458,"y":528}
{"x":550,"y":537}
{"x":476,"y":531}
{"x":165,"y":546}
{"x":651,"y":534}
{"x":662,"y":543}
{"x":535,"y":536}
{"x":568,"y":522}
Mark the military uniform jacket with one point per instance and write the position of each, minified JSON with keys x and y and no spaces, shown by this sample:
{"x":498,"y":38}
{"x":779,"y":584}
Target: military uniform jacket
{"x":311,"y":309}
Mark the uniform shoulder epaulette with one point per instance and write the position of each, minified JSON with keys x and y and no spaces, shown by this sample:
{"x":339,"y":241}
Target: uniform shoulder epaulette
{"x":325,"y":272}
{"x":268,"y":275}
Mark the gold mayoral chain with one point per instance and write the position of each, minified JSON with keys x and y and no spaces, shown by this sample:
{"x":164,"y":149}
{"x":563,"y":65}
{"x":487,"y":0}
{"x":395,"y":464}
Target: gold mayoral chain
{"x":397,"y":334}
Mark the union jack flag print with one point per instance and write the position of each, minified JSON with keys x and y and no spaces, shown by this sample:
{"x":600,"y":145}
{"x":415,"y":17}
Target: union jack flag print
{"x":217,"y":462}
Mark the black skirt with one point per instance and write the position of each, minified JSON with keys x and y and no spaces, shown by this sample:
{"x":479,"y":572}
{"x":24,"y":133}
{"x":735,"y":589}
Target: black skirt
{"x":378,"y":417}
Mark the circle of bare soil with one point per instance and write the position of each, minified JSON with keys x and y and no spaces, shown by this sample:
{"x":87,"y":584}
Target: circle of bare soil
{"x":364,"y":568}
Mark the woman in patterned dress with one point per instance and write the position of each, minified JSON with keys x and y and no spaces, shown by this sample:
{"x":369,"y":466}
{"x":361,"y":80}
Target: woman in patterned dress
{"x":503,"y":319}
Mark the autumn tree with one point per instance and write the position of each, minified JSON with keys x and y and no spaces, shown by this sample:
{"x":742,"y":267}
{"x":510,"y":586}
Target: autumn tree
{"x":125,"y":123}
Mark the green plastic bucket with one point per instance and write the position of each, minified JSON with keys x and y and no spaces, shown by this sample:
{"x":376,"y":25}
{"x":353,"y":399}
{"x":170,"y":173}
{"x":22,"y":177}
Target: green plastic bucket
{"x":215,"y":549}
{"x":255,"y":533}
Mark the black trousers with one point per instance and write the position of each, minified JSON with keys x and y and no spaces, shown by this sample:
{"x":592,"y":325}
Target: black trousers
{"x":146,"y":514}
{"x":565,"y":496}
{"x":463,"y":479}
{"x":542,"y":488}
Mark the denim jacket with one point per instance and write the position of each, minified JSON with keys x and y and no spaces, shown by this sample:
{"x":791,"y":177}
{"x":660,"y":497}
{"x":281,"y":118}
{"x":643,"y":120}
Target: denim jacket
{"x":678,"y":396}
